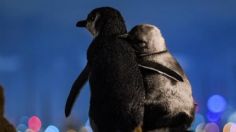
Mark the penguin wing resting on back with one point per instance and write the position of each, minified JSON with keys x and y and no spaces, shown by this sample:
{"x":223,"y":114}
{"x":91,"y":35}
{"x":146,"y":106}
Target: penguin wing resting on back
{"x":161,"y":69}
{"x":117,"y":91}
{"x":169,"y":104}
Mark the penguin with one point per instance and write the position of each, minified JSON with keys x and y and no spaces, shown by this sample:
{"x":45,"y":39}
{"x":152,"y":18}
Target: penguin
{"x":5,"y":125}
{"x":169,"y":104}
{"x":116,"y":82}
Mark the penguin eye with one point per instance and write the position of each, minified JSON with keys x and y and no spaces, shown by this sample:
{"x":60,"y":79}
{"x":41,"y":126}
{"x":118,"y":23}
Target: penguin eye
{"x":142,"y":44}
{"x":92,"y":18}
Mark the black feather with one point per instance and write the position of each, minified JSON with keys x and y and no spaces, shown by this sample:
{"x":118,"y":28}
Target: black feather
{"x":75,"y":90}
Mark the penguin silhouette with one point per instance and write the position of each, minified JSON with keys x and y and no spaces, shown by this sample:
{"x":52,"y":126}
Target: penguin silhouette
{"x":5,"y":126}
{"x":169,"y":105}
{"x":117,"y":90}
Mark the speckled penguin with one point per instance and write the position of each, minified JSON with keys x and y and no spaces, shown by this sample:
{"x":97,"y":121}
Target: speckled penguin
{"x":169,"y":105}
{"x":5,"y":126}
{"x":117,"y":91}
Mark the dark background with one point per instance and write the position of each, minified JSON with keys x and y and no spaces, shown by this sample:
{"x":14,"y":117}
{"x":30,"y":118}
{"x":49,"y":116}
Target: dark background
{"x":42,"y":52}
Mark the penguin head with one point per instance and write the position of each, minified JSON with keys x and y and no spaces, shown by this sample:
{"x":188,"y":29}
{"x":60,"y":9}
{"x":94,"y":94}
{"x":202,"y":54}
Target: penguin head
{"x":104,"y":21}
{"x":146,"y":38}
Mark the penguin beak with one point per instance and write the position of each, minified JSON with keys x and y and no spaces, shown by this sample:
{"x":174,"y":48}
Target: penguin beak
{"x":82,"y":23}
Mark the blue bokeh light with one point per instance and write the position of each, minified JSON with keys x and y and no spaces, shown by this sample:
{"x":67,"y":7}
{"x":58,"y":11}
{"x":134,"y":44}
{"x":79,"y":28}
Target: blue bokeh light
{"x":200,"y":127}
{"x":52,"y":128}
{"x":216,"y":103}
{"x":232,"y":117}
{"x":213,"y":117}
{"x":22,"y":127}
{"x":88,"y":126}
{"x":199,"y":119}
{"x":24,"y":119}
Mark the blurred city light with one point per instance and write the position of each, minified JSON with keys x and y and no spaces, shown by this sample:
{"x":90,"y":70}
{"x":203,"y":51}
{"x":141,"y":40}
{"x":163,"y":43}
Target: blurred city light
{"x":200,"y":127}
{"x":21,"y":127}
{"x":229,"y":127}
{"x":212,"y":127}
{"x":71,"y":130}
{"x":213,"y":117}
{"x":216,"y":103}
{"x":232,"y":117}
{"x":88,"y":126}
{"x":199,"y":119}
{"x":34,"y":123}
{"x":51,"y":128}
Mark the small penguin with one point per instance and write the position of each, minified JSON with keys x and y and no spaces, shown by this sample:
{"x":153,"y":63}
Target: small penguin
{"x":169,"y":105}
{"x":117,"y":90}
{"x":5,"y":126}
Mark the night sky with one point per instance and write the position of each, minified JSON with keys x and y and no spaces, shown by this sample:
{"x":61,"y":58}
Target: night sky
{"x":42,"y":53}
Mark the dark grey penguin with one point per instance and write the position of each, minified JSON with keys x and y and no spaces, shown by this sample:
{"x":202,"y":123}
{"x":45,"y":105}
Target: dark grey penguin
{"x":169,"y":105}
{"x":117,"y":91}
{"x":5,"y":125}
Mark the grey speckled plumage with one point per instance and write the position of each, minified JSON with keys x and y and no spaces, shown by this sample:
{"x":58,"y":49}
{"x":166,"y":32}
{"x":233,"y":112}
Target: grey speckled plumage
{"x":5,"y":125}
{"x":117,"y":91}
{"x":169,"y":105}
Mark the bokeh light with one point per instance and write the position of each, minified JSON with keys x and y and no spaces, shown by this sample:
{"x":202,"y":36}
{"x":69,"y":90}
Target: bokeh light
{"x":21,"y":127}
{"x":200,"y":127}
{"x":24,"y":119}
{"x":34,"y":123}
{"x":83,"y":129}
{"x":216,"y":103}
{"x":29,"y":130}
{"x":87,"y":123}
{"x":232,"y":118}
{"x":229,"y":110}
{"x":51,"y":128}
{"x":233,"y":127}
{"x":199,"y":118}
{"x":213,"y":117}
{"x":71,"y":130}
{"x":212,"y":127}
{"x":89,"y":129}
{"x":88,"y":126}
{"x":229,"y":127}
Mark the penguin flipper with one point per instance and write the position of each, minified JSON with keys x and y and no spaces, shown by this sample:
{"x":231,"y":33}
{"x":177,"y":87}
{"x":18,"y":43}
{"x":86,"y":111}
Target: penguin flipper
{"x":156,"y":67}
{"x":75,"y":90}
